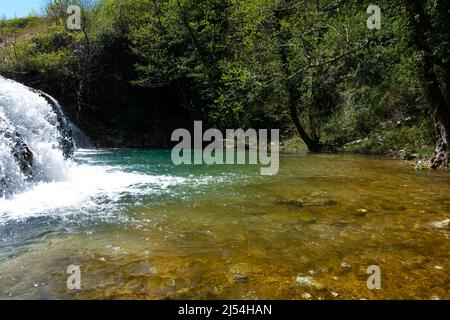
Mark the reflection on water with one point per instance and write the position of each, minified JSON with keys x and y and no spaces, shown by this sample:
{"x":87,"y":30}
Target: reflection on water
{"x":144,"y":229}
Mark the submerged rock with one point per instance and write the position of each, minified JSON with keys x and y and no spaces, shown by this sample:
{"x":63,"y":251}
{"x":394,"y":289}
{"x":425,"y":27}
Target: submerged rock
{"x":306,"y":220}
{"x":334,"y":294}
{"x":308,"y":282}
{"x":301,"y":203}
{"x":303,"y":222}
{"x":444,"y":224}
{"x":304,"y":281}
{"x":295,"y":203}
{"x":241,"y":273}
{"x":307,"y":296}
{"x":346,"y":266}
{"x":392,"y":206}
{"x":361,"y":212}
{"x":330,"y":202}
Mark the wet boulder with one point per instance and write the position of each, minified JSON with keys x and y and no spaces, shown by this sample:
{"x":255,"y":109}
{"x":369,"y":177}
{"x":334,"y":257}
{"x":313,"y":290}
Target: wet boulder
{"x":29,"y":125}
{"x":18,"y":148}
{"x":64,"y":126}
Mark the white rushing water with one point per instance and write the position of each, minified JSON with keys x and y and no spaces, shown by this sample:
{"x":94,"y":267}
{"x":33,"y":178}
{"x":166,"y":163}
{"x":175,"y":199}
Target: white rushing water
{"x":54,"y":184}
{"x":88,"y":189}
{"x":29,"y":115}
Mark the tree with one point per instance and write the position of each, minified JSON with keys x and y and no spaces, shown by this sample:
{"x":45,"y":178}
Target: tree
{"x":179,"y":44}
{"x":422,"y":31}
{"x":290,"y":82}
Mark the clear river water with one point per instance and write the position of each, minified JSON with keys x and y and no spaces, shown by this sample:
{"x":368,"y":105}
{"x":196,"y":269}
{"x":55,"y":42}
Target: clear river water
{"x":141,"y":228}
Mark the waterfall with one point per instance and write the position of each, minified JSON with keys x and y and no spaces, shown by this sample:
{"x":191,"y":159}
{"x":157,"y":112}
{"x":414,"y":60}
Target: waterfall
{"x":39,"y":176}
{"x":80,"y":139}
{"x":35,"y":138}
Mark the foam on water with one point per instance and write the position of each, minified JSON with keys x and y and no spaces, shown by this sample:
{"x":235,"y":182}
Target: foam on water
{"x":59,"y":186}
{"x":28,"y":114}
{"x":56,"y":185}
{"x":82,"y":189}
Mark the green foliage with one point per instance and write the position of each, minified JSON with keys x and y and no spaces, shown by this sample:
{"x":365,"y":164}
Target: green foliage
{"x":19,"y":25}
{"x":239,"y":63}
{"x":400,"y":140}
{"x":43,"y":52}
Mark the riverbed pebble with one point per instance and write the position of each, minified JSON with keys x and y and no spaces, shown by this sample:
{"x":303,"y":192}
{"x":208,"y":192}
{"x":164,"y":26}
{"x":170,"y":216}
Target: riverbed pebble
{"x":306,"y":281}
{"x":346,"y":266}
{"x":444,"y":224}
{"x":361,"y":212}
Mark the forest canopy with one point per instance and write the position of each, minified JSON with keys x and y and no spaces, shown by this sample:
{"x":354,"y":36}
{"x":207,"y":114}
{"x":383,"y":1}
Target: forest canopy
{"x":314,"y":69}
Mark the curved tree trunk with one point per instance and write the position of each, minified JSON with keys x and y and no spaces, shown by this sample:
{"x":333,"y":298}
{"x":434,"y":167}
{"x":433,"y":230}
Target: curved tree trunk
{"x":420,"y":29}
{"x":289,"y":81}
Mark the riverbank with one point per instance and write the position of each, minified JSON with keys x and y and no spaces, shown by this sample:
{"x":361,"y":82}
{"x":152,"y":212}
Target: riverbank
{"x":412,"y":144}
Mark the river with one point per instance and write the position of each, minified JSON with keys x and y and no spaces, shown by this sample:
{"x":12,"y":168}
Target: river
{"x":139,"y":227}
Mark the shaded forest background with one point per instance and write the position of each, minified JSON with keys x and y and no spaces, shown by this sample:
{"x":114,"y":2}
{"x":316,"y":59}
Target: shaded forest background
{"x":139,"y":69}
